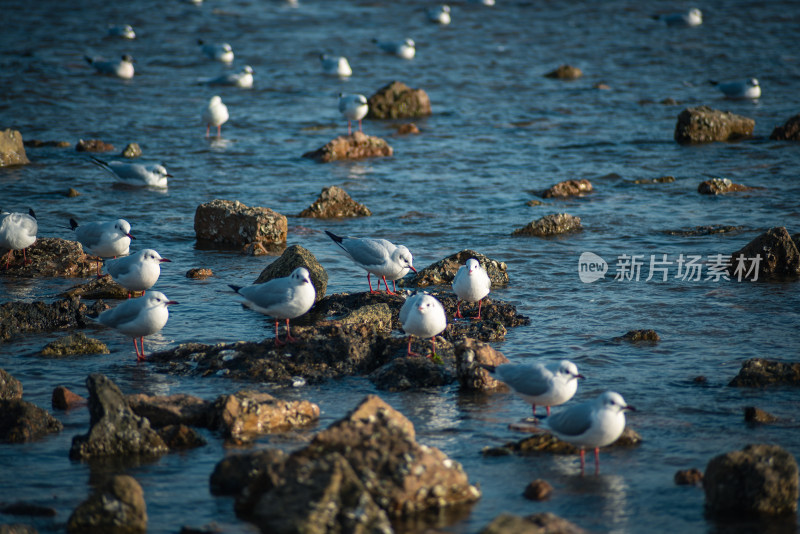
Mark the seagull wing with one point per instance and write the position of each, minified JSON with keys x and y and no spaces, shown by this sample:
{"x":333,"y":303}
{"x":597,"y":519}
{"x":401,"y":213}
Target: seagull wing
{"x":571,"y":422}
{"x":125,"y":313}
{"x":368,"y":251}
{"x":120,"y":266}
{"x":264,"y":297}
{"x":527,"y":379}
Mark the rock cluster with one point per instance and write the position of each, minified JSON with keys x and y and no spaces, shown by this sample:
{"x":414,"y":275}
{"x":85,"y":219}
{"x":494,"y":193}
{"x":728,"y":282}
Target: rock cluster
{"x":53,"y":257}
{"x":293,"y":257}
{"x":780,"y":257}
{"x":789,"y":131}
{"x":565,"y":72}
{"x":12,"y":150}
{"x":396,"y":100}
{"x":758,"y":372}
{"x":349,"y":147}
{"x":334,"y":202}
{"x":568,"y":188}
{"x":719,"y":186}
{"x":93,"y":145}
{"x":74,"y":344}
{"x":639,"y":336}
{"x":545,"y":442}
{"x":549,"y":225}
{"x":704,"y":125}
{"x":28,"y":317}
{"x":443,"y":271}
{"x":116,"y":507}
{"x":230,"y":222}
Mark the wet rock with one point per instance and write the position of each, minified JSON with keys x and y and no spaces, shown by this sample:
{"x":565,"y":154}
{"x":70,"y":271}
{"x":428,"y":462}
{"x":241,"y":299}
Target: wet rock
{"x":659,"y":180}
{"x":116,"y":507}
{"x":758,"y":372}
{"x":53,"y":257}
{"x":543,"y":523}
{"x":12,"y":150}
{"x":100,"y":288}
{"x":443,"y":271}
{"x":64,"y":399}
{"x":181,"y":437}
{"x":789,"y":131}
{"x":334,"y":202}
{"x":704,"y":125}
{"x":115,"y":428}
{"x":538,"y":490}
{"x":29,"y":509}
{"x":238,"y":471}
{"x":470,"y":354}
{"x":779,"y":255}
{"x":759,"y":480}
{"x":639,"y":336}
{"x":21,"y":422}
{"x":74,"y":344}
{"x":131,"y":150}
{"x":38,"y":143}
{"x":178,"y":409}
{"x":602,"y":86}
{"x":407,"y":129}
{"x":378,"y":315}
{"x":757,"y":415}
{"x":199,"y":273}
{"x":17,"y":529}
{"x":558,"y":223}
{"x":689,"y":477}
{"x":544,"y":442}
{"x":568,"y":188}
{"x":10,"y":387}
{"x":706,"y":230}
{"x":351,"y":147}
{"x":534,"y":203}
{"x":293,"y":257}
{"x":720,"y":186}
{"x":565,"y":72}
{"x":28,"y":317}
{"x":71,"y":193}
{"x":398,"y":101}
{"x":93,"y":145}
{"x":415,"y":372}
{"x":232,"y":223}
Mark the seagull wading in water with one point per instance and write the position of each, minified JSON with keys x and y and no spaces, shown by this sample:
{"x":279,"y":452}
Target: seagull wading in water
{"x":107,"y":240}
{"x":405,"y":49}
{"x":376,"y":256}
{"x":137,"y":272}
{"x":471,"y":284}
{"x":335,"y":65}
{"x":354,"y":108}
{"x":135,"y":174}
{"x":17,"y":232}
{"x":691,"y":18}
{"x":122,"y":68}
{"x":423,"y":316}
{"x":594,"y":424}
{"x":139,"y":317}
{"x":217,"y":51}
{"x":281,"y":298}
{"x":215,"y":114}
{"x":242,"y":79}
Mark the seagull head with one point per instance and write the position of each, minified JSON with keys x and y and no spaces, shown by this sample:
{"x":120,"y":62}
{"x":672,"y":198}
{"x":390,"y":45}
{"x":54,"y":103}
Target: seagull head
{"x":157,"y":298}
{"x":404,"y":258}
{"x":301,"y":276}
{"x":569,"y":370}
{"x":151,"y":255}
{"x":124,"y":227}
{"x":425,"y":303}
{"x":161,"y":171}
{"x":752,"y":82}
{"x":409,"y":42}
{"x":127,"y":58}
{"x":613,"y":401}
{"x":472,"y":265}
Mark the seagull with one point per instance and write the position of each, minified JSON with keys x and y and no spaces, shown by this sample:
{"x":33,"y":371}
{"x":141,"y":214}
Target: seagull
{"x":376,"y":256}
{"x":281,"y":298}
{"x":594,"y":424}
{"x":107,"y":239}
{"x":137,"y":272}
{"x":354,"y":108}
{"x":122,"y":68}
{"x":693,"y":17}
{"x":405,"y":48}
{"x":122,"y":30}
{"x":135,"y":173}
{"x":215,"y":114}
{"x":335,"y":65}
{"x":242,"y":79}
{"x":746,"y":89}
{"x":17,"y":232}
{"x":423,"y":316}
{"x":472,"y":284}
{"x":440,"y":14}
{"x":549,"y":385}
{"x":217,"y":51}
{"x":139,"y":317}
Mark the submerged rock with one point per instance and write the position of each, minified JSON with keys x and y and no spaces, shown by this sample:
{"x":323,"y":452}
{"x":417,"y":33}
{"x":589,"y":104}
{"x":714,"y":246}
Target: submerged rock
{"x":565,"y":72}
{"x":542,"y":523}
{"x":38,"y":143}
{"x":720,"y":186}
{"x":233,"y":223}
{"x":544,"y":442}
{"x":415,"y":372}
{"x":689,"y":477}
{"x":349,"y":147}
{"x":100,"y":288}
{"x":116,"y":507}
{"x":334,"y":202}
{"x":568,"y":188}
{"x":12,"y":150}
{"x":705,"y":230}
{"x":53,"y":257}
{"x":398,"y":101}
{"x":470,"y":355}
{"x":28,"y":317}
{"x":199,"y":273}
{"x":93,"y":145}
{"x":407,"y":129}
{"x":238,"y":471}
{"x":181,"y":437}
{"x":443,"y":271}
{"x":758,"y":372}
{"x":178,"y":409}
{"x":21,"y":421}
{"x":790,"y":131}
{"x":74,"y":344}
{"x":704,"y":125}
{"x":10,"y":387}
{"x":757,"y":415}
{"x":639,"y":336}
{"x":131,"y":150}
{"x":293,"y":257}
{"x":64,"y":399}
{"x":557,"y":223}
{"x":778,"y":252}
{"x":538,"y":490}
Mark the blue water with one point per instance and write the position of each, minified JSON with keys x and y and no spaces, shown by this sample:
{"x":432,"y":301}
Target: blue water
{"x":499,"y":132}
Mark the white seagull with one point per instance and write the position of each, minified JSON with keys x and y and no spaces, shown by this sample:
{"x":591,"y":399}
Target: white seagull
{"x":439,"y":14}
{"x":354,"y":108}
{"x":107,"y":239}
{"x":471,"y":284}
{"x":215,"y":114}
{"x":242,"y":79}
{"x":139,"y":317}
{"x":335,"y":65}
{"x":691,"y":18}
{"x":545,"y":385}
{"x":17,"y":232}
{"x":281,"y":298}
{"x":217,"y":51}
{"x":124,"y":31}
{"x":423,"y":316}
{"x":135,"y":173}
{"x":137,"y":272}
{"x":122,"y":68}
{"x":594,"y":424}
{"x":744,"y":89}
{"x":376,"y":256}
{"x":404,"y":49}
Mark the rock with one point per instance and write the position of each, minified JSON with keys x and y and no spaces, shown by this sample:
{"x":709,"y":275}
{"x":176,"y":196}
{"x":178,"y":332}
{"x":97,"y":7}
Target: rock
{"x":132,"y":150}
{"x":71,"y":193}
{"x":602,"y":86}
{"x":38,"y":143}
{"x":17,"y":529}
{"x":116,"y":507}
{"x":238,"y":471}
{"x":64,"y":399}
{"x":639,"y":336}
{"x":759,"y":480}
{"x":199,"y":273}
{"x":378,"y":315}
{"x":758,"y":372}
{"x":568,"y":188}
{"x":414,"y":372}
{"x":543,"y":523}
{"x":21,"y":422}
{"x":398,"y":101}
{"x":443,"y":271}
{"x":538,"y":490}
{"x":689,"y":477}
{"x":559,"y":223}
{"x":704,"y":125}
{"x":757,"y":415}
{"x":534,"y":203}
{"x":293,"y":257}
{"x":349,"y":147}
{"x":29,"y":509}
{"x":779,"y":257}
{"x":334,"y":202}
{"x":720,"y":186}
{"x":53,"y":257}
{"x":232,"y":223}
{"x":789,"y":131}
{"x":471,"y":376}
{"x":74,"y":344}
{"x":115,"y":428}
{"x":181,"y":437}
{"x":659,"y":180}
{"x":565,"y":72}
{"x":28,"y":317}
{"x":705,"y":230}
{"x":99,"y":288}
{"x":548,"y":443}
{"x":407,"y":129}
{"x":178,"y":409}
{"x":93,"y":145}
{"x":10,"y":387}
{"x":12,"y":151}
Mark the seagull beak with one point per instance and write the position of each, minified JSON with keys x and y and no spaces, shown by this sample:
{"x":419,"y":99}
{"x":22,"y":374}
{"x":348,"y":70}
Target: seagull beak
{"x":629,"y":407}
{"x":170,"y":302}
{"x":169,"y":175}
{"x":412,"y":268}
{"x":579,"y":376}
{"x":162,"y":260}
{"x":130,"y":236}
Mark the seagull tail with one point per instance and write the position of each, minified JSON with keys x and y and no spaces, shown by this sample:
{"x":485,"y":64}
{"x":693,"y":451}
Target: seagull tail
{"x":713,"y":82}
{"x":336,"y":239}
{"x":73,"y":224}
{"x":235,"y":288}
{"x":31,"y":213}
{"x":490,"y":368}
{"x":89,"y":60}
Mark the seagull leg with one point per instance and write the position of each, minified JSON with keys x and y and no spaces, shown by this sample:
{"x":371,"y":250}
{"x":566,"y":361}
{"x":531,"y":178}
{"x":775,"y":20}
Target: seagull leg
{"x":370,"y":285}
{"x":548,"y":411}
{"x":394,"y":286}
{"x":348,"y":127}
{"x":359,"y":126}
{"x":219,"y":130}
{"x":433,"y":350}
{"x":597,"y":460}
{"x":8,"y":258}
{"x":583,"y":460}
{"x":409,"y":348}
{"x":208,"y":129}
{"x":387,"y":287}
{"x":458,"y":315}
{"x":289,"y":337}
{"x":278,"y":342}
{"x":142,"y":357}
{"x":478,"y":317}
{"x":25,"y":258}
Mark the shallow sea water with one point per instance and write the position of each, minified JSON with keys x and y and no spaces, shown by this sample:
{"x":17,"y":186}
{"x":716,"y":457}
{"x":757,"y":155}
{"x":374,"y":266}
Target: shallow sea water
{"x":500,"y":131}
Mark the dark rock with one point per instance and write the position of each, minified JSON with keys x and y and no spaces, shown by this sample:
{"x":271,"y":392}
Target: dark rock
{"x":700,"y":380}
{"x":779,"y":257}
{"x":757,"y":415}
{"x":99,"y":288}
{"x":759,"y":480}
{"x":565,"y":72}
{"x":178,"y":409}
{"x":17,"y":529}
{"x":24,"y":508}
{"x":10,"y":387}
{"x":233,"y":223}
{"x":602,"y":86}
{"x":181,"y":437}
{"x":639,"y":336}
{"x":704,"y":125}
{"x":117,"y":507}
{"x":659,"y":180}
{"x":689,"y":477}
{"x":543,"y":523}
{"x":211,"y":528}
{"x":544,"y":442}
{"x":538,"y":490}
{"x":293,"y":257}
{"x":53,"y":257}
{"x":533,"y":203}
{"x":443,"y":271}
{"x":349,"y":147}
{"x":28,"y":317}
{"x":238,"y":471}
{"x":38,"y":143}
{"x":758,"y":372}
{"x":115,"y":429}
{"x":21,"y":421}
{"x":72,"y":193}
{"x":199,"y":273}
{"x":398,"y":101}
{"x":407,"y":129}
{"x":789,"y":131}
{"x":568,"y":188}
{"x":378,"y":315}
{"x":74,"y":344}
{"x":93,"y":145}
{"x":470,"y":354}
{"x":705,"y":230}
{"x":558,"y":223}
{"x":64,"y":399}
{"x":334,"y":202}
{"x":720,"y":186}
{"x":415,"y":372}
{"x":132,"y":150}
{"x":12,"y":150}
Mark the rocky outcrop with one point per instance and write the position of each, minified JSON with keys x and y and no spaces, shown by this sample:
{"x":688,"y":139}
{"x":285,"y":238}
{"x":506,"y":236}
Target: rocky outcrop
{"x":704,"y":125}
{"x":413,"y":372}
{"x":689,"y":477}
{"x":293,"y":257}
{"x":407,"y":129}
{"x":758,"y":372}
{"x":565,"y":72}
{"x":12,"y":150}
{"x":779,"y":257}
{"x":100,"y":288}
{"x":10,"y":387}
{"x":116,"y":507}
{"x":377,"y":315}
{"x":640,"y":336}
{"x":131,"y":150}
{"x":720,"y":186}
{"x":759,"y":480}
{"x":544,"y":442}
{"x":709,"y":229}
{"x":542,"y":523}
{"x":229,"y":222}
{"x":199,"y":273}
{"x":28,"y":317}
{"x":398,"y":101}
{"x":74,"y":344}
{"x":181,"y":437}
{"x":568,"y":188}
{"x":789,"y":131}
{"x":93,"y":145}
{"x":178,"y":409}
{"x":53,"y":257}
{"x":538,"y":490}
{"x":334,"y":202}
{"x":17,"y":528}
{"x":470,"y":355}
{"x":238,"y":471}
{"x":757,"y":415}
{"x":21,"y":421}
{"x":64,"y":399}
{"x":350,"y":147}
{"x":555,"y":224}
{"x":443,"y":271}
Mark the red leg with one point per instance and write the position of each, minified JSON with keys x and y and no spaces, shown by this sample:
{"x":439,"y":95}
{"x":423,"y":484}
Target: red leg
{"x":25,"y":258}
{"x":583,"y":460}
{"x":359,"y":126}
{"x":534,"y":410}
{"x":394,"y":286}
{"x":208,"y":129}
{"x":387,"y":286}
{"x":480,"y":302}
{"x":409,"y":348}
{"x":596,"y":460}
{"x":98,"y":270}
{"x":348,"y":127}
{"x":219,"y":130}
{"x":8,"y":259}
{"x":370,"y":284}
{"x":458,"y":315}
{"x":433,"y":344}
{"x":548,"y":411}
{"x":278,"y":342}
{"x":289,"y":337}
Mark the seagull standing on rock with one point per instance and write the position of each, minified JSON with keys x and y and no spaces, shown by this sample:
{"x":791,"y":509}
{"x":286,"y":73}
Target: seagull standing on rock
{"x":107,"y":239}
{"x":123,"y":68}
{"x":354,"y":108}
{"x":423,"y":316}
{"x":471,"y":284}
{"x":376,"y":256}
{"x":137,"y":272}
{"x":215,"y":114}
{"x":139,"y":317}
{"x":17,"y":232}
{"x":135,"y":174}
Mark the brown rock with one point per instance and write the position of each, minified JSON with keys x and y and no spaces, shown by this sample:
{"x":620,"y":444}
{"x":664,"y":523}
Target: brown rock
{"x":538,"y":490}
{"x":181,"y":437}
{"x":405,"y":373}
{"x":64,"y":399}
{"x":789,"y":131}
{"x":408,"y":128}
{"x":232,"y":223}
{"x":443,"y":271}
{"x":719,"y":186}
{"x":704,"y":125}
{"x":558,"y":223}
{"x":377,"y":315}
{"x":638,"y":336}
{"x":74,"y":344}
{"x":238,"y":471}
{"x":116,"y":507}
{"x":10,"y":387}
{"x":350,"y":147}
{"x":72,"y":193}
{"x":757,"y":415}
{"x":21,"y":421}
{"x":398,"y":101}
{"x":706,"y":230}
{"x":689,"y":477}
{"x":12,"y":150}
{"x":93,"y":145}
{"x":199,"y":273}
{"x":758,"y":372}
{"x":28,"y":317}
{"x":533,"y":203}
{"x":470,"y":355}
{"x":548,"y":443}
{"x":16,"y":528}
{"x":53,"y":257}
{"x":543,"y":523}
{"x":334,"y":202}
{"x":568,"y":188}
{"x":178,"y":409}
{"x":293,"y":257}
{"x":99,"y":288}
{"x":565,"y":72}
{"x":778,"y":253}
{"x":38,"y":143}
{"x":132,"y":150}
